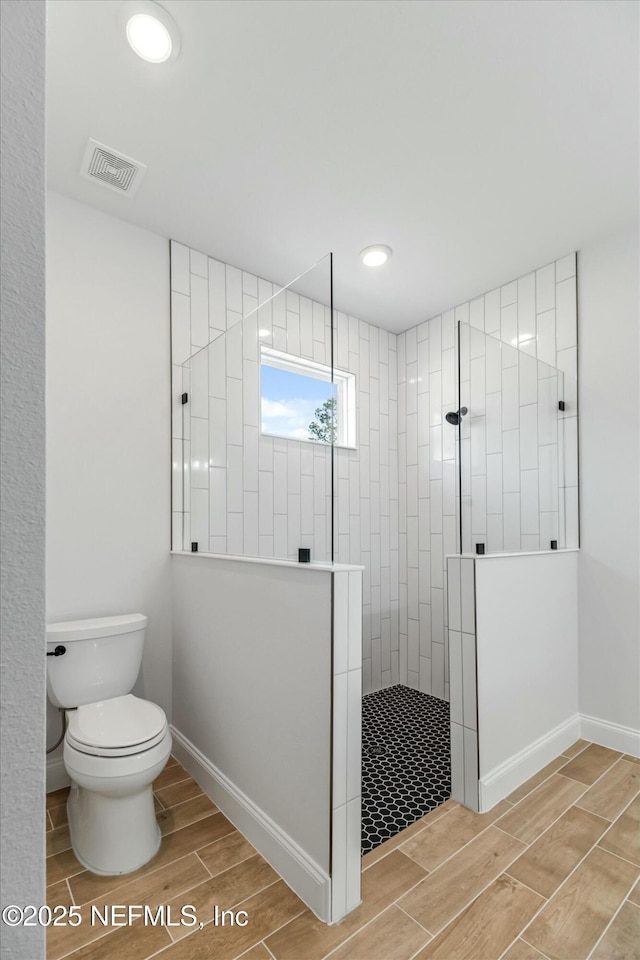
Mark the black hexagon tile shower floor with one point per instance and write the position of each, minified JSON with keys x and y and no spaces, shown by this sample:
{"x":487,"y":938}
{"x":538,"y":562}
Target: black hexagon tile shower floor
{"x":406,"y":762}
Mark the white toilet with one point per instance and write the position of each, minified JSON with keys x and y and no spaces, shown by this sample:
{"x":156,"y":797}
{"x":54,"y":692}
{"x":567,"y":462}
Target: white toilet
{"x":116,"y":744}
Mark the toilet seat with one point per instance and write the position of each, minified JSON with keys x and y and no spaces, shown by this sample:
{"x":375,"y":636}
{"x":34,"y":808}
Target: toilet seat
{"x":119,"y":727}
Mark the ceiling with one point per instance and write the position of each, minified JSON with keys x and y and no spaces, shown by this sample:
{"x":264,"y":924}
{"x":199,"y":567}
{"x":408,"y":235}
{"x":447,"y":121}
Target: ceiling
{"x":478,"y":139}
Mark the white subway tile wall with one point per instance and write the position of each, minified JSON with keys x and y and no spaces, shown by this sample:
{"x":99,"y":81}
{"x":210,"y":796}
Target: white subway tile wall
{"x":347,"y":741}
{"x":462,"y":667}
{"x":244,"y":493}
{"x":518,"y":451}
{"x":397,"y":494}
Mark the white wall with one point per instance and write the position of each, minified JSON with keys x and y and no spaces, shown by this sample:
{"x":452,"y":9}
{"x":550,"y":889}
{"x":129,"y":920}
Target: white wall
{"x":22,"y":662}
{"x":108,"y":436}
{"x":609,"y":574}
{"x":527,"y":665}
{"x":252,"y":691}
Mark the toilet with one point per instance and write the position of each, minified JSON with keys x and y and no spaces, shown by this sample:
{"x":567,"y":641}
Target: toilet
{"x":115,"y":745}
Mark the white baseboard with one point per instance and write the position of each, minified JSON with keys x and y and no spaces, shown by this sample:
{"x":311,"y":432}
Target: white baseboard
{"x":504,"y":779}
{"x":57,"y":776}
{"x":303,"y":875}
{"x":612,"y":735}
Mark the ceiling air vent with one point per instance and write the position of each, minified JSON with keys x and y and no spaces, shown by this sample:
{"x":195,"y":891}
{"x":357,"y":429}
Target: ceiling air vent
{"x":112,"y":169}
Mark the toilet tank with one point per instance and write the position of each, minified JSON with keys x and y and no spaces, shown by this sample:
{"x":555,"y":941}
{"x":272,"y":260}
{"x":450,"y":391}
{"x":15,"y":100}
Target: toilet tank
{"x":101,"y":660}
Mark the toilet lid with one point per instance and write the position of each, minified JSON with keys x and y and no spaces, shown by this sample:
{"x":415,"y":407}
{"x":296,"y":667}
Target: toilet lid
{"x":120,"y":722}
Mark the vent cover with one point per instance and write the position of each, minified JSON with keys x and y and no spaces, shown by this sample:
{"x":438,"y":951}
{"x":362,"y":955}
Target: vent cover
{"x":112,"y":169}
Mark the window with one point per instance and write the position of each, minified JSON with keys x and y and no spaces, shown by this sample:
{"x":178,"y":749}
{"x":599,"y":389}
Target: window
{"x":299,"y":401}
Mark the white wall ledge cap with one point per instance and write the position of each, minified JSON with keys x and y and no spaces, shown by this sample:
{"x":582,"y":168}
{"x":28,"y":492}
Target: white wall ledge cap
{"x":519,"y":553}
{"x":269,"y":561}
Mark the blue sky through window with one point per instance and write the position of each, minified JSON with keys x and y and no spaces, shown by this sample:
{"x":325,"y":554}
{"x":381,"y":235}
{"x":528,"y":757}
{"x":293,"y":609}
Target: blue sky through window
{"x":289,"y":401}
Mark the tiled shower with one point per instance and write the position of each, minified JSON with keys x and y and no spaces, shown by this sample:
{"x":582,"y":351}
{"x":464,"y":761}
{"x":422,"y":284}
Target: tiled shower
{"x":412,"y":484}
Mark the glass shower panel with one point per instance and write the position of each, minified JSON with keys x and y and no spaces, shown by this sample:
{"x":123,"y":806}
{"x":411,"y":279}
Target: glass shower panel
{"x":260,"y":419}
{"x":511,"y":436}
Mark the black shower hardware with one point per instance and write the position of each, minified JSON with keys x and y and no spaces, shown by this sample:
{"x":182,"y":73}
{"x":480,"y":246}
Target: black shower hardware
{"x":455,"y":417}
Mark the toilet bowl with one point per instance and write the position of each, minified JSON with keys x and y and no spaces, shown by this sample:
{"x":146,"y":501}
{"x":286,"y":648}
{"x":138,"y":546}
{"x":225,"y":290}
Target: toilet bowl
{"x":115,"y":745}
{"x":111,"y":814}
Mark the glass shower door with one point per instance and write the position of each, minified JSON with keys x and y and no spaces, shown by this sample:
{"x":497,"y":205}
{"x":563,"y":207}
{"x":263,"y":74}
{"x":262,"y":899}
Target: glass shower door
{"x":512,"y":448}
{"x":261,"y":413}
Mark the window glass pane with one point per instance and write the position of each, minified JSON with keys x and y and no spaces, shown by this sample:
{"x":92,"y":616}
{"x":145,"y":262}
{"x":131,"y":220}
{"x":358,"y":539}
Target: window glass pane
{"x":296,"y":406}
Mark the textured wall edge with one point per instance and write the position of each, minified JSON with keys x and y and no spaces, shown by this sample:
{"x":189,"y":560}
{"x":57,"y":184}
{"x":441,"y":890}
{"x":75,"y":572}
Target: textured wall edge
{"x":22,"y":663}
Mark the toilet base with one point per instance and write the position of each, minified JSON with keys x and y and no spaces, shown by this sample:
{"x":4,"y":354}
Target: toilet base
{"x":112,"y":835}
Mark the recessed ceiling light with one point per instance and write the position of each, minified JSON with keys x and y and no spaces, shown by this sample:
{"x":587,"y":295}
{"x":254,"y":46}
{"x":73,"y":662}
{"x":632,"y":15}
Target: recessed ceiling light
{"x":151,"y":32}
{"x":376,"y":255}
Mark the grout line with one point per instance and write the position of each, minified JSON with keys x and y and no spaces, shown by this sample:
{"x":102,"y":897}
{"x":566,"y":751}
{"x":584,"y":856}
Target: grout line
{"x":126,"y":878}
{"x":371,"y":920}
{"x":290,"y":920}
{"x":553,"y":772}
{"x":521,"y":937}
{"x":195,"y":886}
{"x":576,"y":867}
{"x":232,"y":906}
{"x":68,"y":876}
{"x":203,"y":864}
{"x":158,"y":952}
{"x":417,"y":862}
{"x":514,"y":803}
{"x":460,"y":849}
{"x":418,"y":833}
{"x":244,"y":860}
{"x":174,"y":784}
{"x":545,"y":900}
{"x":326,"y":956}
{"x":604,"y":932}
{"x":417,"y":953}
{"x":271,"y":954}
{"x":522,"y":883}
{"x":398,"y":846}
{"x":396,"y":904}
{"x":546,"y":829}
{"x":70,"y":892}
{"x":511,"y":836}
{"x":588,"y":785}
{"x":572,"y":804}
{"x":89,"y":943}
{"x":478,"y":894}
{"x":203,"y":816}
{"x":587,"y":743}
{"x":513,"y":942}
{"x":617,"y":856}
{"x":612,"y":823}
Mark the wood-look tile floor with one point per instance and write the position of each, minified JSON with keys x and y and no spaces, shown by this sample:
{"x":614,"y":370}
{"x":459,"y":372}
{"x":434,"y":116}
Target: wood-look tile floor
{"x":551,"y":872}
